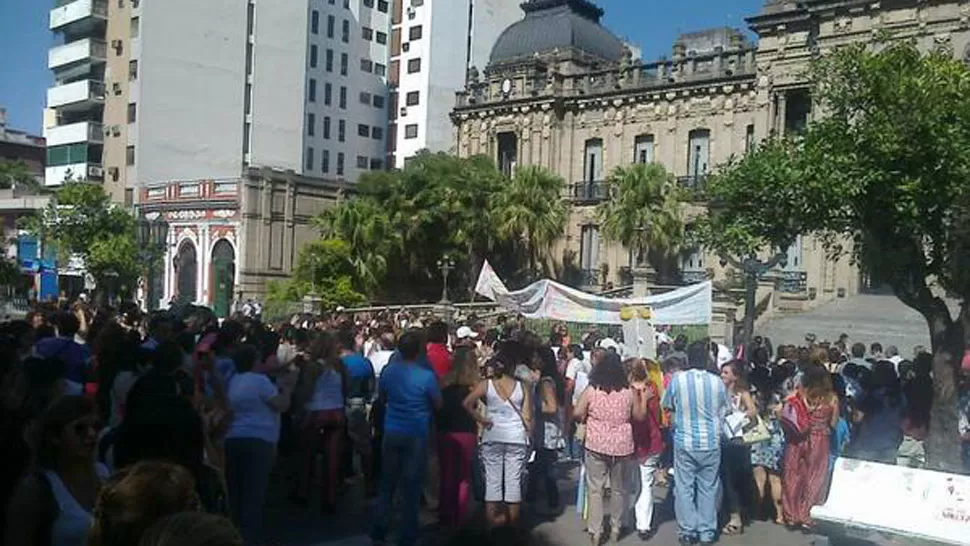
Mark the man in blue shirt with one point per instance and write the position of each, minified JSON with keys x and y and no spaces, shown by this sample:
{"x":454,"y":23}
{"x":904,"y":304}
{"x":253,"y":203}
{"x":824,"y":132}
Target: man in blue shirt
{"x":360,"y":392}
{"x":698,"y":401}
{"x":410,"y":394}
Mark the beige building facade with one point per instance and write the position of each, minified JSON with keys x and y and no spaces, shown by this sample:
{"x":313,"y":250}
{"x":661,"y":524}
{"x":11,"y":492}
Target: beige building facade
{"x":562,"y":92}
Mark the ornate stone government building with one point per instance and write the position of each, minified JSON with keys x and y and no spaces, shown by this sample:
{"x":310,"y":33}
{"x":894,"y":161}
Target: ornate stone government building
{"x":563,"y":92}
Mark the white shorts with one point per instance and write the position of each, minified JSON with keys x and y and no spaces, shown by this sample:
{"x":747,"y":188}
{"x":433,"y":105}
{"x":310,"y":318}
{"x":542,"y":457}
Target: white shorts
{"x":503,"y":471}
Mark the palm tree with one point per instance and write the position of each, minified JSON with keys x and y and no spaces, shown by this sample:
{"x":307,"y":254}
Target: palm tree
{"x":530,"y":210}
{"x":369,"y":232}
{"x":644,"y":213}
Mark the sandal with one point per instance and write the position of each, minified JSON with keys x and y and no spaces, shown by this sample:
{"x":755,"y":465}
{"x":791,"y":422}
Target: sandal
{"x":734,"y":527}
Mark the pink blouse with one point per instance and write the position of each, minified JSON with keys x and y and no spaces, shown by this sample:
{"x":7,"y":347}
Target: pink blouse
{"x":608,"y":424}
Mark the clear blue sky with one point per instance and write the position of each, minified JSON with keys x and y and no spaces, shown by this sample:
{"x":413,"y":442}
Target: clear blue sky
{"x":24,"y":41}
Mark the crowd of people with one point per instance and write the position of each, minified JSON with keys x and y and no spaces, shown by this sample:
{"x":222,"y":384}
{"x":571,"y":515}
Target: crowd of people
{"x":126,"y":429}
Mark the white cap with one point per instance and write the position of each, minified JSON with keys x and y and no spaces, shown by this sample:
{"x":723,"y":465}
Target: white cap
{"x":466,"y":332}
{"x":609,"y":343}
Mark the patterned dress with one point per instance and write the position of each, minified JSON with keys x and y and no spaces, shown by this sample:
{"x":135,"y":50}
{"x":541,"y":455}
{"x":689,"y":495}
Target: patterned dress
{"x":805,"y":475}
{"x":769,"y":454}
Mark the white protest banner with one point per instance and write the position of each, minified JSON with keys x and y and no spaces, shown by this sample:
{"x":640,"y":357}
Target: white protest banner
{"x":548,"y":299}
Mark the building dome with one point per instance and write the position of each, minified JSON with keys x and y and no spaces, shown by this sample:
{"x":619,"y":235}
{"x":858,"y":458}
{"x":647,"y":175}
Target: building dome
{"x":557,"y":24}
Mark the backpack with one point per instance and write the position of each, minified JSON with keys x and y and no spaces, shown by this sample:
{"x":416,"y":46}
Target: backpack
{"x":795,"y":417}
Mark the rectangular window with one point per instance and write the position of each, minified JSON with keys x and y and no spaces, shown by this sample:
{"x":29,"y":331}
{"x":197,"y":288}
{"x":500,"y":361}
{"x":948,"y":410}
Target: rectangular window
{"x":366,"y":65}
{"x":414,"y":66}
{"x":132,"y":113}
{"x":345,"y":32}
{"x":365,"y":97}
{"x":346,"y":4}
{"x":378,"y":101}
{"x":341,"y":130}
{"x":331,"y":25}
{"x":132,"y":70}
{"x":380,"y":70}
{"x":312,"y":93}
{"x":313,"y":56}
{"x":326,"y":127}
{"x":363,"y":130}
{"x":134,"y":27}
{"x":377,"y":133}
{"x":414,"y":33}
{"x":376,"y":164}
{"x":411,"y":131}
{"x":698,"y":152}
{"x":362,"y":162}
{"x":343,"y":64}
{"x":311,"y":122}
{"x":315,"y":22}
{"x":593,"y":165}
{"x":643,"y":149}
{"x":367,"y":33}
{"x":325,"y":161}
{"x":340,"y":163}
{"x":412,"y":98}
{"x":329,"y":63}
{"x":589,"y":249}
{"x":368,"y":3}
{"x":343,"y":97}
{"x":382,"y":6}
{"x":308,"y":160}
{"x":749,"y":139}
{"x":381,"y":37}
{"x":327,"y":93}
{"x":130,"y":155}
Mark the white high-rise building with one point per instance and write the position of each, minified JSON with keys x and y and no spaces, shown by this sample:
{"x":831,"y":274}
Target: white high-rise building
{"x":433,"y":45}
{"x":236,"y":121}
{"x":145,"y":94}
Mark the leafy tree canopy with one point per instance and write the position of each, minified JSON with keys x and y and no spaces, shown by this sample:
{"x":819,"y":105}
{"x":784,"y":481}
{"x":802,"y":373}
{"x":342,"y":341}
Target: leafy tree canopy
{"x":81,"y":220}
{"x":326,"y":269}
{"x":882,"y":174}
{"x":16,"y":174}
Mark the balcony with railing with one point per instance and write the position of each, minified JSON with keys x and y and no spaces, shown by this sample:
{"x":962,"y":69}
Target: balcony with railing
{"x":78,"y":95}
{"x":589,"y":192}
{"x":85,"y":131}
{"x":87,"y":50}
{"x":76,"y":13}
{"x":694,"y":186}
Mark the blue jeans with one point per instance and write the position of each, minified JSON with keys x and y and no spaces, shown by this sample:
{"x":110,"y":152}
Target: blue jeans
{"x":696,"y":481}
{"x":404,"y":460}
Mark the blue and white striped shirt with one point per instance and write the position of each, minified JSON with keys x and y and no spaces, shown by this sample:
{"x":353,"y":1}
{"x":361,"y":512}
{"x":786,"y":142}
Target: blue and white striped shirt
{"x":699,"y":402}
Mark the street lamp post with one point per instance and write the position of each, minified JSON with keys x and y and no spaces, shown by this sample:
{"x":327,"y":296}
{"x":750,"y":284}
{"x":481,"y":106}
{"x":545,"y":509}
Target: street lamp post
{"x":152,"y":240}
{"x":446,"y":266}
{"x":753,"y":269}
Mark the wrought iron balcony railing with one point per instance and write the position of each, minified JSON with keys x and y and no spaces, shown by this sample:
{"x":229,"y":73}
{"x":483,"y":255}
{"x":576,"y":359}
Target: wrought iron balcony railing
{"x":593,"y":191}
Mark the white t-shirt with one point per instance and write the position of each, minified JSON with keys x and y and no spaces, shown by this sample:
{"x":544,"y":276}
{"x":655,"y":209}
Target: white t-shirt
{"x":380,"y":359}
{"x":578,"y":372}
{"x":249,"y":395}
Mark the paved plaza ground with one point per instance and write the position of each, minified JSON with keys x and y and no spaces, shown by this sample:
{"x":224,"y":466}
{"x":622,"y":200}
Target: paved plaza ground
{"x":292,"y":526}
{"x":866,"y":318}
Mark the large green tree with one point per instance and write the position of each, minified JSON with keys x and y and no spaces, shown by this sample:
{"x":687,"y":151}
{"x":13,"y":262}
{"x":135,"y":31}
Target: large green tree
{"x":883,"y":174}
{"x":80,"y":220}
{"x":325,"y":268}
{"x":644,"y":213}
{"x":530,"y":212}
{"x":401,"y":223}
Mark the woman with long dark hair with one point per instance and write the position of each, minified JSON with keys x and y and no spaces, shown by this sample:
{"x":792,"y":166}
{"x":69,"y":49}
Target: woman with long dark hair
{"x":736,"y":475}
{"x":53,"y":505}
{"x":879,"y":417}
{"x":547,"y":434}
{"x":322,"y":390}
{"x":609,"y":406}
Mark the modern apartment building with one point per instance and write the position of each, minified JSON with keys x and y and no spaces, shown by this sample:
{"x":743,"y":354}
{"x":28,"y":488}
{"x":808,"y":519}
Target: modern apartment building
{"x":434,"y":44}
{"x":174,"y":105}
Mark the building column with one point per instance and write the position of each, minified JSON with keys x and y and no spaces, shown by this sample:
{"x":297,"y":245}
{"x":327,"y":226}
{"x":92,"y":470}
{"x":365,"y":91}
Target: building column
{"x":781,"y":112}
{"x":203,"y":275}
{"x":167,"y":261}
